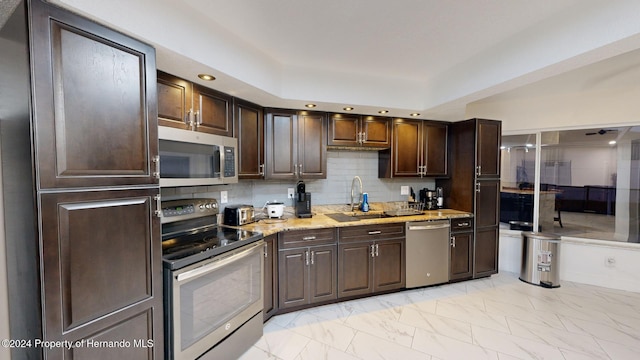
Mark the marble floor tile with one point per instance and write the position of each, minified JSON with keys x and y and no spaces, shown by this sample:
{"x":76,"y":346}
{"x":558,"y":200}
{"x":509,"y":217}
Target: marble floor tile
{"x":499,"y":317}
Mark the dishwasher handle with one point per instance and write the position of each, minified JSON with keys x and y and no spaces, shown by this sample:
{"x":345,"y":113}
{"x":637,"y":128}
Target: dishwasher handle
{"x":427,"y":227}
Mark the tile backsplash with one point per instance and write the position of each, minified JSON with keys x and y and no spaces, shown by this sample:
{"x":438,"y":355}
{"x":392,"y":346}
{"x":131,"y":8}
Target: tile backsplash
{"x":342,"y":166}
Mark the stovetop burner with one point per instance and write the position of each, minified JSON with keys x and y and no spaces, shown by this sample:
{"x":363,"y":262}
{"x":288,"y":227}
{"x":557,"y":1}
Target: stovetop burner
{"x":181,"y":249}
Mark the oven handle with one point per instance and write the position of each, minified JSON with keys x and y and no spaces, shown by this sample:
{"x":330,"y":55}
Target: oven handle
{"x":217,"y":264}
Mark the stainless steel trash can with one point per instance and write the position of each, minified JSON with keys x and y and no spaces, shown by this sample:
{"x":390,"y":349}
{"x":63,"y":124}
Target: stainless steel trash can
{"x":540,"y":259}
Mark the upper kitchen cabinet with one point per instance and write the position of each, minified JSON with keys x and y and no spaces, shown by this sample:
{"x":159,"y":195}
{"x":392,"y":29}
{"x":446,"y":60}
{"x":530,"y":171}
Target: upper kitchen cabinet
{"x":488,"y":148}
{"x":418,"y":148}
{"x":186,"y":105}
{"x":95,"y":114}
{"x":296,"y":145}
{"x":359,"y":131}
{"x":249,"y":129}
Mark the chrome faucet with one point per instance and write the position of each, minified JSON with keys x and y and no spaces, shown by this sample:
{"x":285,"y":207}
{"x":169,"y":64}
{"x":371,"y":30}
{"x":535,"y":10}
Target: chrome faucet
{"x":353,"y":183}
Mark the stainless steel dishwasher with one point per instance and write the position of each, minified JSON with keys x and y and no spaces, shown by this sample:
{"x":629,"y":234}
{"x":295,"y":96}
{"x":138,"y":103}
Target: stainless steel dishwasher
{"x":427,"y":253}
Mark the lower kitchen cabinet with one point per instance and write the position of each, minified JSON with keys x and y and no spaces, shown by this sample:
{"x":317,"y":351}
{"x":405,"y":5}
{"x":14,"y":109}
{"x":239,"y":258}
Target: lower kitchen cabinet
{"x":486,"y":252}
{"x":371,"y":259}
{"x":461,"y":245}
{"x":306,"y":274}
{"x":270,"y":276}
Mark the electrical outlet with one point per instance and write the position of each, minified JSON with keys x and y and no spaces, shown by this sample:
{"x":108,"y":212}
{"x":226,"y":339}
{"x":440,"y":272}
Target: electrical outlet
{"x":610,"y":261}
{"x":290,"y":193}
{"x":404,"y":190}
{"x":224,"y":197}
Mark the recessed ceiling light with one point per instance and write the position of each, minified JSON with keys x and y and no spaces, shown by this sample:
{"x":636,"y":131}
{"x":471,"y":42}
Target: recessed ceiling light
{"x":348,"y":108}
{"x":206,"y":77}
{"x":383,"y":111}
{"x":529,"y":145}
{"x":414,"y":114}
{"x":311,"y":105}
{"x":612,"y":142}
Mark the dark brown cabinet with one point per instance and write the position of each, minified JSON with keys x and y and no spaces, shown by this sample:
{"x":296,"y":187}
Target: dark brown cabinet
{"x":418,"y":148}
{"x":461,"y":264}
{"x":296,"y":145}
{"x":249,"y":129}
{"x":358,"y":131}
{"x":94,"y":117}
{"x":307,"y":267}
{"x":371,"y":259}
{"x":186,"y":105}
{"x":270,"y":276}
{"x":474,"y":185}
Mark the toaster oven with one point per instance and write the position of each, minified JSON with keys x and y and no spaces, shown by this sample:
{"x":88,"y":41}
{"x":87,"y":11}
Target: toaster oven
{"x":236,"y":215}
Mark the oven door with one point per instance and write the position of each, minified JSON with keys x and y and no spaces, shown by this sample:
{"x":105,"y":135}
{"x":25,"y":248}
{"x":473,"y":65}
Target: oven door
{"x":213,"y":298}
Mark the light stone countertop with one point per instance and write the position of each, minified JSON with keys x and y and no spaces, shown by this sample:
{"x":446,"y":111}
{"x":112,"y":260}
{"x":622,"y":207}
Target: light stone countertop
{"x":320,"y":220}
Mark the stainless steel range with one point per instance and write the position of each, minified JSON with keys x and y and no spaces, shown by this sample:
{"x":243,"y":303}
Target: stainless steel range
{"x":213,"y":283}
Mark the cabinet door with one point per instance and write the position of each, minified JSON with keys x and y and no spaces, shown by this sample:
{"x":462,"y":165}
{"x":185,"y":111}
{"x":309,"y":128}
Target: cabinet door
{"x":461,"y":256}
{"x":344,"y":130}
{"x":293,"y":277}
{"x":389,"y":265}
{"x":214,"y":111}
{"x":270,"y":276}
{"x":95,"y":103}
{"x":323,"y":273}
{"x":406,"y":148}
{"x":488,"y":137}
{"x":354,"y":269}
{"x":249,"y":129}
{"x":101,"y":271}
{"x":486,"y":252}
{"x":174,"y":101}
{"x":281,"y":142}
{"x":376,"y":131}
{"x":435,"y":148}
{"x":312,"y":145}
{"x":487,"y":207}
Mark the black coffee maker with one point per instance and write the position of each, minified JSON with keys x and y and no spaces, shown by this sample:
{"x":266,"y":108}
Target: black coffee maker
{"x":302,"y":201}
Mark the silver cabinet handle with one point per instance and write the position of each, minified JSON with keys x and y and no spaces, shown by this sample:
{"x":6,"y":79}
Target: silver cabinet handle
{"x":463,"y":224}
{"x":453,"y":241}
{"x":375,"y":232}
{"x":188,"y":119}
{"x":477,"y":187}
{"x":308,"y":238}
{"x":295,"y":170}
{"x":300,"y":170}
{"x":312,"y":256}
{"x":372,"y":250}
{"x":306,"y":257}
{"x":377,"y":253}
{"x":158,"y":211}
{"x":261,"y":170}
{"x":265,"y":250}
{"x":156,"y":163}
{"x":428,"y":227}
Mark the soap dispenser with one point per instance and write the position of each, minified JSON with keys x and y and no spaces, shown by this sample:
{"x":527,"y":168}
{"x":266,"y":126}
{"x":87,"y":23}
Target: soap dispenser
{"x":365,"y":202}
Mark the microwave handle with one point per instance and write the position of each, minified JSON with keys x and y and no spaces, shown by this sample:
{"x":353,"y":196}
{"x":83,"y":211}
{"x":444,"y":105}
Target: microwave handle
{"x":218,"y":264}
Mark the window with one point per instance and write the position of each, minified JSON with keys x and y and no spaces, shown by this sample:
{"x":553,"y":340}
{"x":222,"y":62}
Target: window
{"x":589,"y":182}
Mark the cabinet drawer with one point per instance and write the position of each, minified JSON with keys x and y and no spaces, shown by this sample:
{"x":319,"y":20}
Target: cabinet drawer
{"x":371,"y":232}
{"x":461,"y":225}
{"x":301,"y":238}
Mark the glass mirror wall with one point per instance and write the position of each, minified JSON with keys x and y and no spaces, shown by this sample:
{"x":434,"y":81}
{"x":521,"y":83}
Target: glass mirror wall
{"x":589,"y":182}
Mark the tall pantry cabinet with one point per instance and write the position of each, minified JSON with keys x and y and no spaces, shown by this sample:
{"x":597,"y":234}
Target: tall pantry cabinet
{"x":95,"y":146}
{"x":474,"y":186}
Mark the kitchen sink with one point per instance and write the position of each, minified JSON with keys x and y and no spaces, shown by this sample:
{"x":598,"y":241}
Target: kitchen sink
{"x":348,"y":217}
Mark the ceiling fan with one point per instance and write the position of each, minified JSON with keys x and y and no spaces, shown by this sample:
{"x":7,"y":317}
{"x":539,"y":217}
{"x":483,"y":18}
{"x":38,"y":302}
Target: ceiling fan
{"x":601,"y":132}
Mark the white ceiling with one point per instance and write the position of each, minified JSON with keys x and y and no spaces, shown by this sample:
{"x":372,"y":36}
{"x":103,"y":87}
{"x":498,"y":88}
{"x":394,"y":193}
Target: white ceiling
{"x":427,"y":56}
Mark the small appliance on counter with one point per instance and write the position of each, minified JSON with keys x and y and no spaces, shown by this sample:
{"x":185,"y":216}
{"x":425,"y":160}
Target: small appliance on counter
{"x":302,"y":201}
{"x":431,"y":199}
{"x":275,"y":209}
{"x":236,"y":215}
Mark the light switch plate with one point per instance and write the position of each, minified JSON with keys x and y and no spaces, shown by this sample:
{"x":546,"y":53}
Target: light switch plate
{"x":224,"y":197}
{"x":290,"y":193}
{"x":404,"y":190}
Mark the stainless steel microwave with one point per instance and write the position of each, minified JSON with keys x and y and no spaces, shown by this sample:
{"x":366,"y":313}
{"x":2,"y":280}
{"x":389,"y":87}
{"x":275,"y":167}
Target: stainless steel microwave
{"x":190,"y":158}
